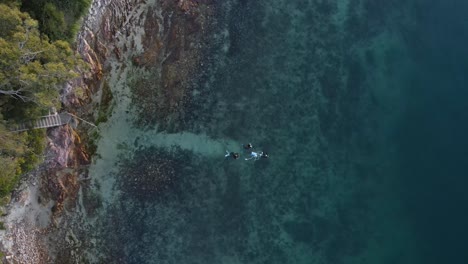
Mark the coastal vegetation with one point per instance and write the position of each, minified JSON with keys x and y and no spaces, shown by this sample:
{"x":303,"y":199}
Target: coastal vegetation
{"x":36,"y":59}
{"x":58,"y":19}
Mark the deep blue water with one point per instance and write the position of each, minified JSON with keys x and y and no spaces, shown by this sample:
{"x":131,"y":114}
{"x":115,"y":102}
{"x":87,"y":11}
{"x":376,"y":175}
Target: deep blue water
{"x":363,"y":110}
{"x":431,"y":135}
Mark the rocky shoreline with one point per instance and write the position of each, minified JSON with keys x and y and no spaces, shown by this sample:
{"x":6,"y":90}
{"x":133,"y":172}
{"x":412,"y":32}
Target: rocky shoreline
{"x":44,"y":222}
{"x":47,"y":218}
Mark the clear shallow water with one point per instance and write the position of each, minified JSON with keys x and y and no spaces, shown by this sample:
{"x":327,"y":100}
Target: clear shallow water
{"x":362,"y":116}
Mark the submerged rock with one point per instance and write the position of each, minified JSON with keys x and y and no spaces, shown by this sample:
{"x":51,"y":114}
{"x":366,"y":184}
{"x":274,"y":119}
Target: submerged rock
{"x":152,"y":172}
{"x":172,"y":47}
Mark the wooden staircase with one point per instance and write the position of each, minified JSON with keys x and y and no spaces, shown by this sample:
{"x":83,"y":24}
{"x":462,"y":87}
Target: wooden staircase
{"x":44,"y":122}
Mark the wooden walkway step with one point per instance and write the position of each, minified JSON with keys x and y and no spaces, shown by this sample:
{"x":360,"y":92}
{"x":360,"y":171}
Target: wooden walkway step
{"x":44,"y":122}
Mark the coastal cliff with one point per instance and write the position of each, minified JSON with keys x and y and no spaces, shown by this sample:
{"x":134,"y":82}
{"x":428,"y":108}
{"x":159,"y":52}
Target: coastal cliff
{"x":49,"y":218}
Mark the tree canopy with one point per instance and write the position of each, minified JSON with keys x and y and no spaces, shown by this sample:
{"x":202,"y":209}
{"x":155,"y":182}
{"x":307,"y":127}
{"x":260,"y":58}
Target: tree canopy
{"x":31,"y":67}
{"x":12,"y":148}
{"x":32,"y":70}
{"x":58,"y":19}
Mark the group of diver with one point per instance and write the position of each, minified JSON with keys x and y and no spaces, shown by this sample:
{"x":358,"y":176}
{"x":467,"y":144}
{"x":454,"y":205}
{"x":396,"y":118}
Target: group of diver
{"x":248,"y":148}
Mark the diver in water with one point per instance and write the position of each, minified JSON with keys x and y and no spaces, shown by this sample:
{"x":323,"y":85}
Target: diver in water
{"x":247,"y":146}
{"x":256,"y":156}
{"x":233,"y":155}
{"x":253,"y":155}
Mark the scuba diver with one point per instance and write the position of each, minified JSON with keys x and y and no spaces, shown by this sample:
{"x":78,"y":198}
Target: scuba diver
{"x":256,"y":156}
{"x":233,"y":155}
{"x":247,"y":146}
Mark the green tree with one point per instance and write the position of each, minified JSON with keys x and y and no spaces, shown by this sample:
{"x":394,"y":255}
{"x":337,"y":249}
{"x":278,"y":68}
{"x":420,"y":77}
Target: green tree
{"x":58,"y":19}
{"x":31,"y":67}
{"x":53,"y":23}
{"x":12,"y":149}
{"x":31,"y":70}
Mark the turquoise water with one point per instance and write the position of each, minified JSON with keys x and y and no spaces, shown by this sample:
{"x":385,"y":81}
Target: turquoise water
{"x":361,"y":107}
